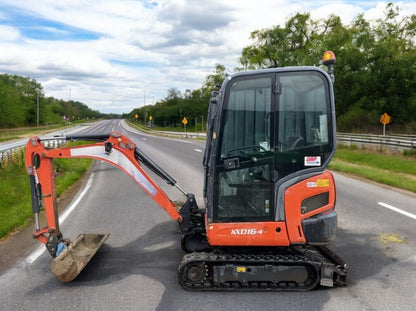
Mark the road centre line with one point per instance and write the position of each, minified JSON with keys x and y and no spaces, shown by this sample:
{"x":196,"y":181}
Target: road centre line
{"x":39,"y":251}
{"x":397,"y":210}
{"x":198,"y":150}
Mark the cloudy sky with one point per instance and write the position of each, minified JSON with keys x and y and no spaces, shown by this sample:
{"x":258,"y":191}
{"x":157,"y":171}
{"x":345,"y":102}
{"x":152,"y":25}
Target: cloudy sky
{"x":116,"y":55}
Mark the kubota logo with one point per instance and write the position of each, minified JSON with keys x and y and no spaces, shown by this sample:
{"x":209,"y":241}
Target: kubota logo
{"x":246,"y":231}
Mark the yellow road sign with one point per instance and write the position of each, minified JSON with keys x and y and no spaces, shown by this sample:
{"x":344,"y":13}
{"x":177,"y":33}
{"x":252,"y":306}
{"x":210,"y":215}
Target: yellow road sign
{"x":184,"y":121}
{"x":385,"y":119}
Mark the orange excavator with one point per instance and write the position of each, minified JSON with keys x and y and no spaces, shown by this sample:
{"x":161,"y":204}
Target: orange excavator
{"x":269,"y":201}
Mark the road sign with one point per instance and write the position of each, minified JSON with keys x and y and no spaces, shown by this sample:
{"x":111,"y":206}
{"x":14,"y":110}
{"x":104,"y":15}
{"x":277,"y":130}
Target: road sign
{"x":150,"y":118}
{"x":136,"y":116}
{"x":385,"y":119}
{"x":184,"y":121}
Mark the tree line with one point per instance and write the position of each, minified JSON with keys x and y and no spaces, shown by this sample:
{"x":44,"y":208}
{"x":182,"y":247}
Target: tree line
{"x":375,"y":70}
{"x":20,"y":98}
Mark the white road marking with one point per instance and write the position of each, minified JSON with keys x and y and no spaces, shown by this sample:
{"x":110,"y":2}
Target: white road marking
{"x":198,"y":150}
{"x":38,"y":252}
{"x":397,"y":210}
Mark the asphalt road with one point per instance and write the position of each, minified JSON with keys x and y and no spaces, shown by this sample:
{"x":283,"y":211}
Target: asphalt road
{"x":136,"y":268}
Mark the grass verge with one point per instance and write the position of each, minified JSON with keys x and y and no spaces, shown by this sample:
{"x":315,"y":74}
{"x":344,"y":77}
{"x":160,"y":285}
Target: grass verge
{"x":393,"y":170}
{"x":15,"y":196}
{"x":15,"y":133}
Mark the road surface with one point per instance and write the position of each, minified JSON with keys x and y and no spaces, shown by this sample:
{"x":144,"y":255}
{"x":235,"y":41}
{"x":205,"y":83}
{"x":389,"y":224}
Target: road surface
{"x":136,"y":268}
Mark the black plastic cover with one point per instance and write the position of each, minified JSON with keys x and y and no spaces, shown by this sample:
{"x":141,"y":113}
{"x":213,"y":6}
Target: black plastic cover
{"x":320,"y":229}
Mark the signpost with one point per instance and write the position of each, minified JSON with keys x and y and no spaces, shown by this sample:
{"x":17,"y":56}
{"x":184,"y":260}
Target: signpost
{"x":185,"y":122}
{"x":385,"y":119}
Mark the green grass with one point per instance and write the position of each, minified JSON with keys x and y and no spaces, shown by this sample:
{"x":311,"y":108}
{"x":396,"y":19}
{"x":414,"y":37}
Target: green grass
{"x":15,"y":196}
{"x":15,"y":201}
{"x":15,"y":133}
{"x":393,"y":170}
{"x":69,"y":172}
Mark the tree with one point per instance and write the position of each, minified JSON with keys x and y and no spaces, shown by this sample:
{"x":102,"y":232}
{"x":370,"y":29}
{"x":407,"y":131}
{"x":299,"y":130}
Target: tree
{"x":214,"y":80}
{"x":18,"y":104}
{"x":376,"y":62}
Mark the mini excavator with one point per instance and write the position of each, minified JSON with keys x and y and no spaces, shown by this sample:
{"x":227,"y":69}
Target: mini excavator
{"x":269,"y":202}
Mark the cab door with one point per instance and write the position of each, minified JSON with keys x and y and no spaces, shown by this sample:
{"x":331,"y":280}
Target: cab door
{"x":245,"y":157}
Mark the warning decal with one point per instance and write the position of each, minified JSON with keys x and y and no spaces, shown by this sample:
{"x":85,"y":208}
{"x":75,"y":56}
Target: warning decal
{"x":313,"y":161}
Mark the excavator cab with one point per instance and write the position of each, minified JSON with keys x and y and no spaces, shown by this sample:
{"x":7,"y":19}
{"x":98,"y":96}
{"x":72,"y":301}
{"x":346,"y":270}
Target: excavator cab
{"x":269,"y":130}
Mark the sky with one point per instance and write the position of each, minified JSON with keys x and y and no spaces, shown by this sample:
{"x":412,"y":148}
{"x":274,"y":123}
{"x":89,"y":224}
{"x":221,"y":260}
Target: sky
{"x":117,"y":55}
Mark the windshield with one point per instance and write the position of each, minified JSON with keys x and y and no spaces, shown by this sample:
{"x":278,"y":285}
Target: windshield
{"x":247,"y":118}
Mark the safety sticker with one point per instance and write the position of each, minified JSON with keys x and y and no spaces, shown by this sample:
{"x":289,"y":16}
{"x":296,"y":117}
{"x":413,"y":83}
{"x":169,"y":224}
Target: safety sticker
{"x":313,"y":161}
{"x":320,"y":183}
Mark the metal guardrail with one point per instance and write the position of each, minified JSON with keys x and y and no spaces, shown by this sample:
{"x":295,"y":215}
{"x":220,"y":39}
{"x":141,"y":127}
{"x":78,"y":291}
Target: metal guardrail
{"x":10,"y":150}
{"x":396,"y":142}
{"x":14,"y":154}
{"x":181,"y":134}
{"x":399,"y":142}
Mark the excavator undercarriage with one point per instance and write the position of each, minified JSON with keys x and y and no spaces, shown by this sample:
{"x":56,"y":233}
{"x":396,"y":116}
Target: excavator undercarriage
{"x":272,"y":270}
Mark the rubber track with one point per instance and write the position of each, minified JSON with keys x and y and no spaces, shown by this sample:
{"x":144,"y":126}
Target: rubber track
{"x":207,"y":260}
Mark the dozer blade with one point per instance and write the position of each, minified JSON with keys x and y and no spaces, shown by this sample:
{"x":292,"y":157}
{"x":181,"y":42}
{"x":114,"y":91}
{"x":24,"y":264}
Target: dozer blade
{"x":73,"y":260}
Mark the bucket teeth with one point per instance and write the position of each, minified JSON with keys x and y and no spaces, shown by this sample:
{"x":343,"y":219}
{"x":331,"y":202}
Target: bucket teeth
{"x":73,"y":259}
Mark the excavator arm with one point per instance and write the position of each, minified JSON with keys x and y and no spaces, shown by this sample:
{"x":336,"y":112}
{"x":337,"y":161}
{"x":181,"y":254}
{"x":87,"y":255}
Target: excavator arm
{"x":71,"y":257}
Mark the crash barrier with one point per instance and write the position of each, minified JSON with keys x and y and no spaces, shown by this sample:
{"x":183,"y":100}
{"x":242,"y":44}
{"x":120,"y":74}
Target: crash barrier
{"x":16,"y":155}
{"x":398,"y":142}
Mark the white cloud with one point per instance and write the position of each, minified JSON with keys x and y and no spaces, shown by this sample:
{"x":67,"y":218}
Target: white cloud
{"x":112,"y":54}
{"x":8,"y":33}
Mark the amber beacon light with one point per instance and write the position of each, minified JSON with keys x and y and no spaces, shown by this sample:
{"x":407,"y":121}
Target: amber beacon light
{"x":329,"y":58}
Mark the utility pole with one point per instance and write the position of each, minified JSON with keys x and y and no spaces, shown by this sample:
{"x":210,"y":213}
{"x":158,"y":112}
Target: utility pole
{"x":37,"y":107}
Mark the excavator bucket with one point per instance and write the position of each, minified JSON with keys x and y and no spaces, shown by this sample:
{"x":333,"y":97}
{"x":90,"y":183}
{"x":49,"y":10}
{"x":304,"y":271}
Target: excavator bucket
{"x":73,"y":259}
